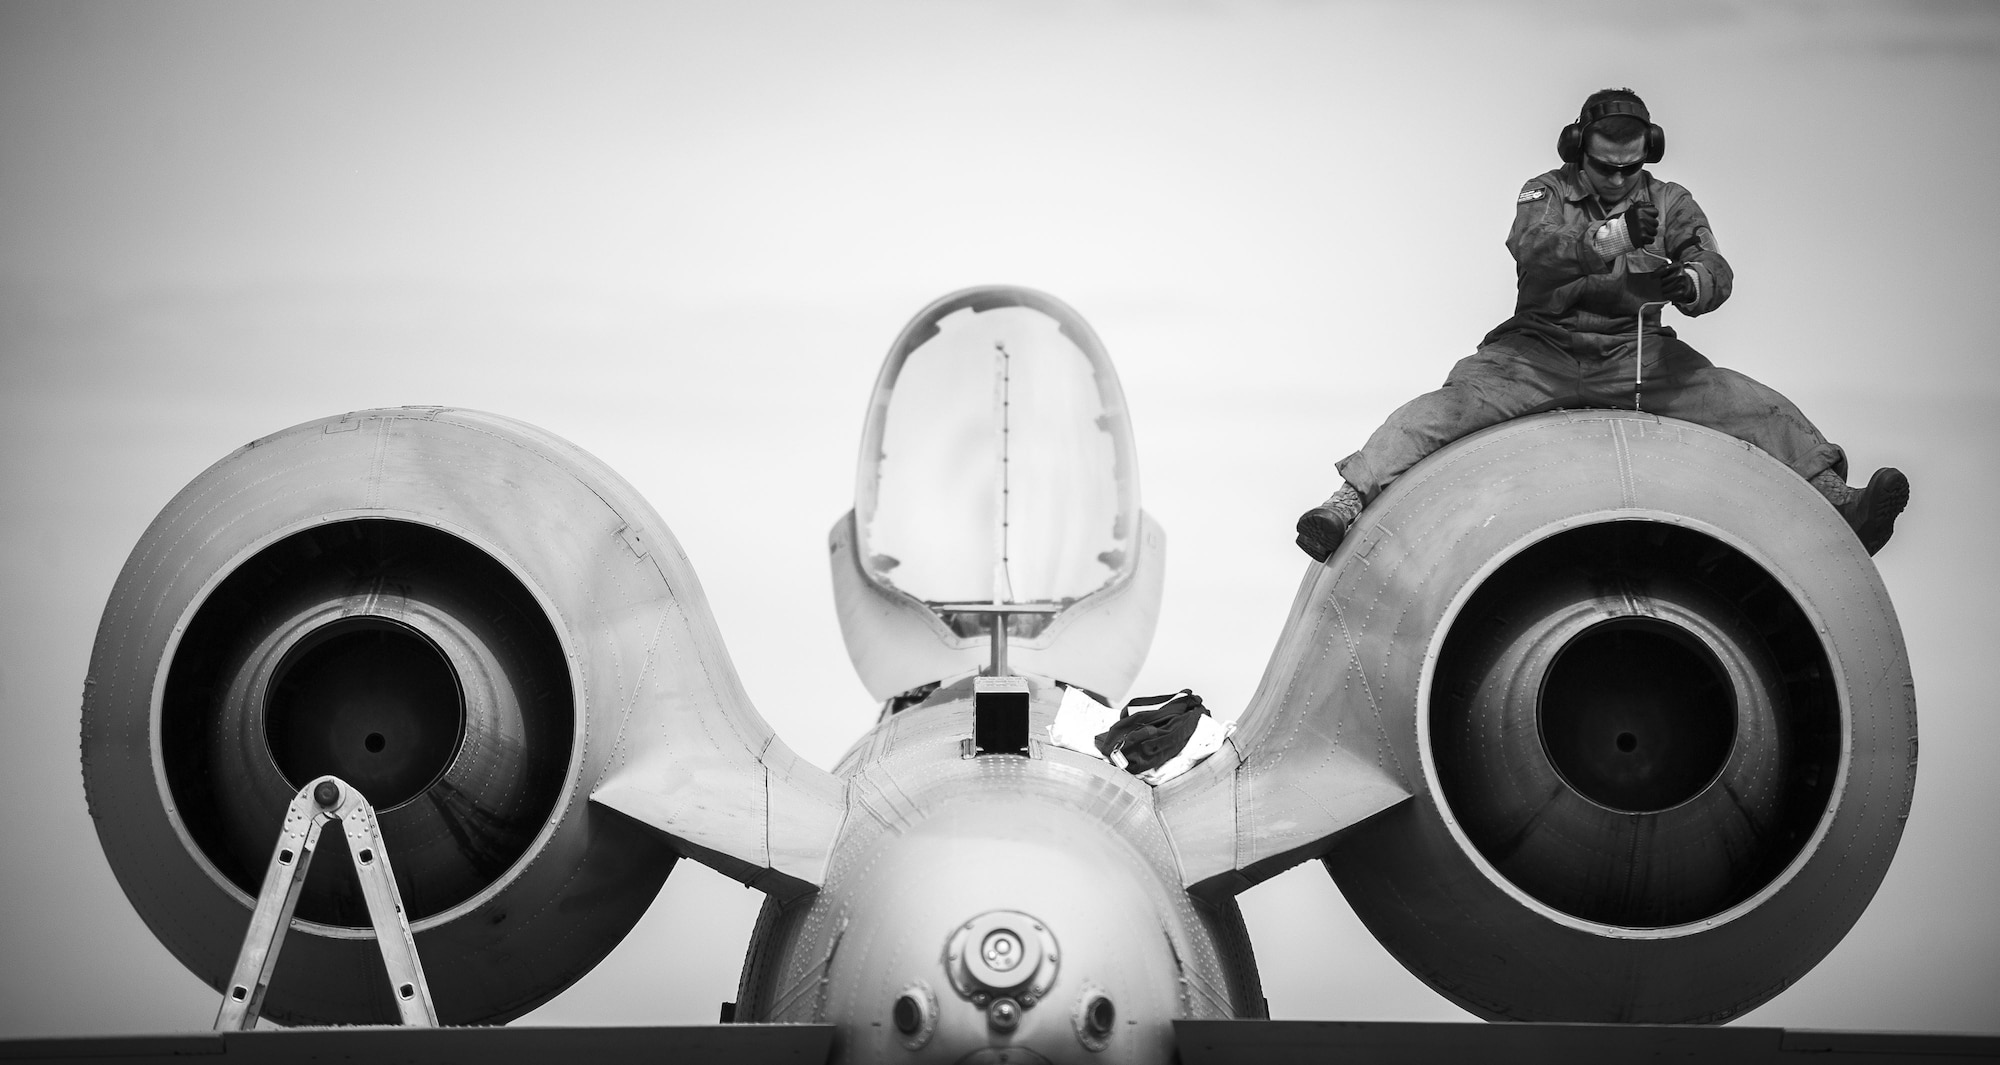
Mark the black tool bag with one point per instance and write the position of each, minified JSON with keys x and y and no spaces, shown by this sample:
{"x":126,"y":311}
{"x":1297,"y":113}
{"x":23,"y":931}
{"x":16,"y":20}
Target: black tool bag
{"x":1151,"y":737}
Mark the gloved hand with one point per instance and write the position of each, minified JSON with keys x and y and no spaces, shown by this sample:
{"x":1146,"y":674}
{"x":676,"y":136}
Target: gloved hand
{"x":1642,"y":223}
{"x":1674,"y":283}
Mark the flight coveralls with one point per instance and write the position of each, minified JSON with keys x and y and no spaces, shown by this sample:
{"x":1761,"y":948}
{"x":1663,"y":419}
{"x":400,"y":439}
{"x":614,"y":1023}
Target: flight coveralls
{"x":1571,"y":340}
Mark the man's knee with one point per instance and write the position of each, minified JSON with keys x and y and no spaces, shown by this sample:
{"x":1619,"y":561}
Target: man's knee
{"x":1492,"y":363}
{"x":1477,"y":402}
{"x":1437,"y":418}
{"x":1677,"y":357}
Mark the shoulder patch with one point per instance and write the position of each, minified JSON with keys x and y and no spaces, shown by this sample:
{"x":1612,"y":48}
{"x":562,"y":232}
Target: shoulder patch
{"x":1531,"y":194}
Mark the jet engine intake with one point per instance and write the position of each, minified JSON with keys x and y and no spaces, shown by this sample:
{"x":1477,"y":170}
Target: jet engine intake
{"x":468,"y":619}
{"x":1650,"y":701}
{"x":1634,"y":723}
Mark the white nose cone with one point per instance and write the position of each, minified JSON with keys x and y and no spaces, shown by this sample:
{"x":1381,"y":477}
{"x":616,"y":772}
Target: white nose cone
{"x":997,"y":467}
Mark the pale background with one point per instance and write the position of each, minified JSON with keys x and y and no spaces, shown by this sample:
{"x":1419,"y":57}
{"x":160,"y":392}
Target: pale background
{"x":683,"y":236}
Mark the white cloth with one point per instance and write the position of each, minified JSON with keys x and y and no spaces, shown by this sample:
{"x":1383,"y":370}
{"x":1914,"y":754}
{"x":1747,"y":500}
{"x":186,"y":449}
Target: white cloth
{"x":1080,"y":719}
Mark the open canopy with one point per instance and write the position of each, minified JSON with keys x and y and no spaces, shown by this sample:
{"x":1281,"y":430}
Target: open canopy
{"x":997,"y":461}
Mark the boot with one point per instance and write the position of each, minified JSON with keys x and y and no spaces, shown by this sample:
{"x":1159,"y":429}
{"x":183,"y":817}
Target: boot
{"x":1871,"y":512}
{"x":1323,"y":527}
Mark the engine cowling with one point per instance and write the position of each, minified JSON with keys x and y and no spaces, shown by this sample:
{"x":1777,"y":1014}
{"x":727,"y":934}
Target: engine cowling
{"x":1653,"y":707}
{"x":455,"y":612}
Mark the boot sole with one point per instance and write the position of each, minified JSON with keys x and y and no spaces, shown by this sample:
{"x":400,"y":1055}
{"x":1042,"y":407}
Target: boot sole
{"x":1878,"y":506}
{"x":1318,"y":527}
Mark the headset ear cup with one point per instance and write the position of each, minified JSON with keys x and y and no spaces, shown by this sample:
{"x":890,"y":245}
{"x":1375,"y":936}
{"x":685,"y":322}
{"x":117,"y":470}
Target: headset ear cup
{"x":1656,"y":143}
{"x":1569,"y":143}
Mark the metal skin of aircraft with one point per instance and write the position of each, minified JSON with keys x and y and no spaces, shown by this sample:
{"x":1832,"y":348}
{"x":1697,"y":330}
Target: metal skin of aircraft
{"x":1594,"y":716}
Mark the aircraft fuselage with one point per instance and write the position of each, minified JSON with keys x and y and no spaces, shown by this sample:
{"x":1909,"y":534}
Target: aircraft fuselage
{"x":1005,"y":894}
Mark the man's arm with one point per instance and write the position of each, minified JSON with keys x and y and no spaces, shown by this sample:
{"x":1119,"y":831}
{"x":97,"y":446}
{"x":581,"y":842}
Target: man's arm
{"x":1553,"y":246}
{"x":1685,"y":237}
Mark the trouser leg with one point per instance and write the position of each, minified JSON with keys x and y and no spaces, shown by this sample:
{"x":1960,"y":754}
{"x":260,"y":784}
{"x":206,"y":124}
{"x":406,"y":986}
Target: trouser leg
{"x":1485,"y":388}
{"x":1679,"y":382}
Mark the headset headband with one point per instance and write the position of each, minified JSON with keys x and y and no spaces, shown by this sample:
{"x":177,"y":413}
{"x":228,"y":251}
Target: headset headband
{"x":1592,"y":114}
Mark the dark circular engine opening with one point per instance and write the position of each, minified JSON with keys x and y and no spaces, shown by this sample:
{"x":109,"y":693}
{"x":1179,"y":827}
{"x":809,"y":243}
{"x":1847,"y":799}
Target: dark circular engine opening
{"x":1635,"y":723}
{"x":398,"y":657}
{"x":371,"y":701}
{"x":1637,"y":715}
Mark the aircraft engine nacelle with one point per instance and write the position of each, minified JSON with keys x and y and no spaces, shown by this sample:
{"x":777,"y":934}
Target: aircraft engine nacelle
{"x":1651,"y":702}
{"x":456,"y":613}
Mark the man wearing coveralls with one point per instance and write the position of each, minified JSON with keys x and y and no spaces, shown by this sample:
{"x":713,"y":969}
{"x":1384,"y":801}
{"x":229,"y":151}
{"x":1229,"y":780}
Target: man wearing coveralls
{"x":1598,"y":244}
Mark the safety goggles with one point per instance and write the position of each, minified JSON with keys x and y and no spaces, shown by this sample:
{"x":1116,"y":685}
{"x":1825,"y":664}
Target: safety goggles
{"x":1603,"y":169}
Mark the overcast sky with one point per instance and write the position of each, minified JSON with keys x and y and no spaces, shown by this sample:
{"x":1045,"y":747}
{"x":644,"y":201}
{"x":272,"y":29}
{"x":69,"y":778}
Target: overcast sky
{"x":683,"y":236}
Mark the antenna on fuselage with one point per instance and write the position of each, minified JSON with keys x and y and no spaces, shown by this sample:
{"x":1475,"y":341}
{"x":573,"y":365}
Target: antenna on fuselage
{"x":1003,"y":582}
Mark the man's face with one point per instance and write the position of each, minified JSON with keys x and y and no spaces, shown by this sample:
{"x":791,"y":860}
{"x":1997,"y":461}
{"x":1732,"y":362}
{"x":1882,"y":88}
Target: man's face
{"x":1612,"y":167}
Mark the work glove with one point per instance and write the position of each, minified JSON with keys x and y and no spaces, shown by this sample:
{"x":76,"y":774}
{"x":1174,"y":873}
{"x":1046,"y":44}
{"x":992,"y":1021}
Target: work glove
{"x":1674,"y":282}
{"x":1642,"y":224}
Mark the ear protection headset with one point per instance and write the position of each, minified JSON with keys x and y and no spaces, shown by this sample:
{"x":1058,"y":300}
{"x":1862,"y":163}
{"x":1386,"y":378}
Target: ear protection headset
{"x":1602,"y":105}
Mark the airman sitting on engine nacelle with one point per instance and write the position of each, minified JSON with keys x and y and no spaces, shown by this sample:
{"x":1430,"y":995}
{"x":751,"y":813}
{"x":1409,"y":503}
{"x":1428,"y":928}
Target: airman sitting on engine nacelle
{"x":1600,"y":246}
